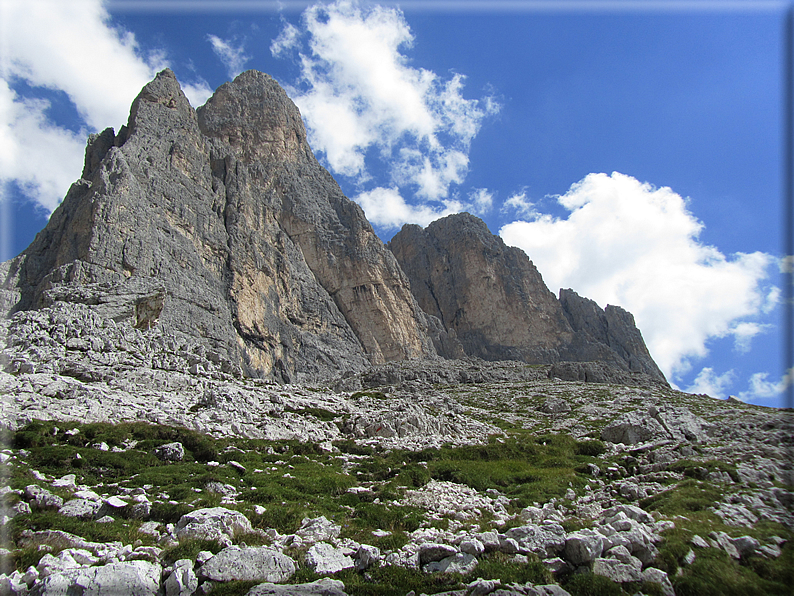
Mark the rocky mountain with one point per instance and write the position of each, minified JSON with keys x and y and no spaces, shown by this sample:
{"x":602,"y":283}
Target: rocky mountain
{"x":462,"y":478}
{"x":153,"y":444}
{"x":219,"y":226}
{"x":493,"y":300}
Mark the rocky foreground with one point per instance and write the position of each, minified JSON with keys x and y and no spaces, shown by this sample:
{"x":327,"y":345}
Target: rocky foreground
{"x":139,"y":463}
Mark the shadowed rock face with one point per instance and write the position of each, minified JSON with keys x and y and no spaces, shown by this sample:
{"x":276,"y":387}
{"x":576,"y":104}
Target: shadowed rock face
{"x":222,"y":225}
{"x":495,"y":301}
{"x":490,"y":294}
{"x":613,"y":327}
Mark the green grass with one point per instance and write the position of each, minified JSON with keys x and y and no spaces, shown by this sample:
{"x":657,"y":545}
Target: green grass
{"x":685,"y":498}
{"x":308,"y":481}
{"x":714,"y":573}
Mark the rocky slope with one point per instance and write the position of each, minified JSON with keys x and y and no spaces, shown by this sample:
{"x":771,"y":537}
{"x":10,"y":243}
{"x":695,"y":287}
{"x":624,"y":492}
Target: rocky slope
{"x":159,"y":473}
{"x":494,"y":301}
{"x":166,"y":431}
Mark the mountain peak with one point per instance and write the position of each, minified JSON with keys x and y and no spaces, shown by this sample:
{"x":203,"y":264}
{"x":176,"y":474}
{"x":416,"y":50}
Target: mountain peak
{"x":218,"y":225}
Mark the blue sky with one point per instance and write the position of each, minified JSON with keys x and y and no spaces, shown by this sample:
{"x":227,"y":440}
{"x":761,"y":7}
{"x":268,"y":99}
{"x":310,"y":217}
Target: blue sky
{"x":632,"y":149}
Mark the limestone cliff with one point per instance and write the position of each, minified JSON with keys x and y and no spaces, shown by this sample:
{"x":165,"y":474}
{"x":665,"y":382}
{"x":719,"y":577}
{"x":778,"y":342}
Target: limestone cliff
{"x":495,"y":301}
{"x":221,"y":224}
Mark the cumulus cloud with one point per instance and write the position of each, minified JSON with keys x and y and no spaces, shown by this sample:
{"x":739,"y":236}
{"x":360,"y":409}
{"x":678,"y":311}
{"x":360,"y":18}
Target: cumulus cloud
{"x":630,"y":244}
{"x":28,"y":140}
{"x":231,"y":53}
{"x":363,"y":101}
{"x":762,"y":389}
{"x":710,"y":383}
{"x":70,"y":48}
{"x":385,"y":207}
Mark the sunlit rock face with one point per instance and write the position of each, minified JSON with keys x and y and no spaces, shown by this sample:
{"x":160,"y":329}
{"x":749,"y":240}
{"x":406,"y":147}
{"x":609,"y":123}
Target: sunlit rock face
{"x":217,"y":231}
{"x":221,"y":224}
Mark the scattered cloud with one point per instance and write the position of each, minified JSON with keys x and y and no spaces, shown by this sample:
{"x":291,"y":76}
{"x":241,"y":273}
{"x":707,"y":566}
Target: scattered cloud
{"x":761,"y":389}
{"x":520,"y":205}
{"x":288,"y":39}
{"x":68,"y":47}
{"x":366,"y":108}
{"x":385,"y":207}
{"x":231,"y":52}
{"x":481,"y":201}
{"x":744,"y":332}
{"x":630,"y":244}
{"x":710,"y":383}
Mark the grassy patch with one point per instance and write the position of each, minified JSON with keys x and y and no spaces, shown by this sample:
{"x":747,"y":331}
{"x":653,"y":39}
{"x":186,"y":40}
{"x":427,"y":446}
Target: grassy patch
{"x":687,"y":497}
{"x":714,"y":573}
{"x":189,"y":549}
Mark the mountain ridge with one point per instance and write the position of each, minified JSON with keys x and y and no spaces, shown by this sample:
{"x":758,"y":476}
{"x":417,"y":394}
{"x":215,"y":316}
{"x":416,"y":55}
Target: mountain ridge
{"x":220,"y":224}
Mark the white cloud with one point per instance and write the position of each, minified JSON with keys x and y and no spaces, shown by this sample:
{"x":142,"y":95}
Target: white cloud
{"x":362,"y":101}
{"x":386,"y":208}
{"x":761,"y":389}
{"x":28,"y":140}
{"x":231,"y":53}
{"x":744,"y":332}
{"x":520,"y":204}
{"x":197,"y":93}
{"x":710,"y":383}
{"x":287,"y":40}
{"x":772,"y":301}
{"x":482,"y":201}
{"x":73,"y":48}
{"x":633,"y":245}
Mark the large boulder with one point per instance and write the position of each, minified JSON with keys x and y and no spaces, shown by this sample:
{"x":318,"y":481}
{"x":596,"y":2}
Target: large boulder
{"x":322,"y":587}
{"x":131,"y":578}
{"x":213,"y":523}
{"x":324,"y":558}
{"x":253,"y":563}
{"x":582,"y":548}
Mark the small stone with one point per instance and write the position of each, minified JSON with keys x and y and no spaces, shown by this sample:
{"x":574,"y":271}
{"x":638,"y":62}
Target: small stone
{"x":170,"y":452}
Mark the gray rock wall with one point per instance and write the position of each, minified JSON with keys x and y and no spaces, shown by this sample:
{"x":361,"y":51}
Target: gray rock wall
{"x":492,"y":298}
{"x":223,"y":226}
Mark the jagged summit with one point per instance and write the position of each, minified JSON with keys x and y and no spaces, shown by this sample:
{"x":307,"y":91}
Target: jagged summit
{"x":219,"y":225}
{"x":493,"y":299}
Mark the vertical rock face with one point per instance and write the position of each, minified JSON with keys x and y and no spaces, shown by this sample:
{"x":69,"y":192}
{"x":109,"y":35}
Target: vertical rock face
{"x":222,"y":225}
{"x":613,"y":327}
{"x":494,"y":300}
{"x":489,"y":294}
{"x":219,"y":225}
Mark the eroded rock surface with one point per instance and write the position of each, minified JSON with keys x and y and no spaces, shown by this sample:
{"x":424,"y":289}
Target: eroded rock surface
{"x":492,"y":299}
{"x":223,"y":227}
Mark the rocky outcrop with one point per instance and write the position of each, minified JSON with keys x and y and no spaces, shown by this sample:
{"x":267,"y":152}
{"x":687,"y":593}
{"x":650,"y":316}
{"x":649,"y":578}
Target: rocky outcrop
{"x":488,"y":294}
{"x":218,"y":229}
{"x":613,"y":327}
{"x":221,"y":225}
{"x":493,"y":300}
